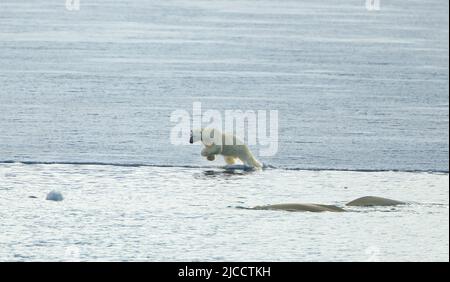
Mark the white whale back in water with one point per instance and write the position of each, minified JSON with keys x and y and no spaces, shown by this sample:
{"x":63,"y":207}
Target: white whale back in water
{"x":302,"y":207}
{"x":374,"y":201}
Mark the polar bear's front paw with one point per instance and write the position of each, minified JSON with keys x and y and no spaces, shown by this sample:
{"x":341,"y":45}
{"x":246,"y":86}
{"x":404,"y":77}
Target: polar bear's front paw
{"x":211,"y":158}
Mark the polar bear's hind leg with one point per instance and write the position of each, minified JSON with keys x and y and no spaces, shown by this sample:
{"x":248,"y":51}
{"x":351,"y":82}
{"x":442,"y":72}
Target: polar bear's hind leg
{"x":251,"y":161}
{"x":229,"y":160}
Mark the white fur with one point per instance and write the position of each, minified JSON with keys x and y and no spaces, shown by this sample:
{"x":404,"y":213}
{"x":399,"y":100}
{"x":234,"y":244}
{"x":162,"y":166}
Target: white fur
{"x":227,"y":145}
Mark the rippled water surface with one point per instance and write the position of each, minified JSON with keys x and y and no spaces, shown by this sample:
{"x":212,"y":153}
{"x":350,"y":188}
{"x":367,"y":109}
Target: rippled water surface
{"x":354,"y":89}
{"x":85,"y":104}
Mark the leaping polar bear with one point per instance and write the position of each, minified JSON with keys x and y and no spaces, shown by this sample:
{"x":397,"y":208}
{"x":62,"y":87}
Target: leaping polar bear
{"x":227,"y":145}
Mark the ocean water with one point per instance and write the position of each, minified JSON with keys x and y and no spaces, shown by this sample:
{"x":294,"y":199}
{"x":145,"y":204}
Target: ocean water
{"x":85,"y":103}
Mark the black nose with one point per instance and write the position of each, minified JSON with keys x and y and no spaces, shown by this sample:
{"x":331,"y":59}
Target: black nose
{"x":191,"y":140}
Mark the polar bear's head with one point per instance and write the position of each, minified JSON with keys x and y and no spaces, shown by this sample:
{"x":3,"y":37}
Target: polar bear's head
{"x":208,"y":136}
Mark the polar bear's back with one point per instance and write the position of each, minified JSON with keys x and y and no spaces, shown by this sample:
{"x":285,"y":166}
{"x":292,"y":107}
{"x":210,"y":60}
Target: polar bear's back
{"x":233,"y":146}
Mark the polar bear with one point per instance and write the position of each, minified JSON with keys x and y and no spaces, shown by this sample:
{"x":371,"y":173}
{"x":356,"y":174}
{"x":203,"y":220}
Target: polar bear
{"x":227,"y":145}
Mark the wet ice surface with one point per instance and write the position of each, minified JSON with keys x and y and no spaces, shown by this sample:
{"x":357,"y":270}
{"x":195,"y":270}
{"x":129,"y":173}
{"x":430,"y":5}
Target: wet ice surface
{"x":355,"y":90}
{"x":152,"y":213}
